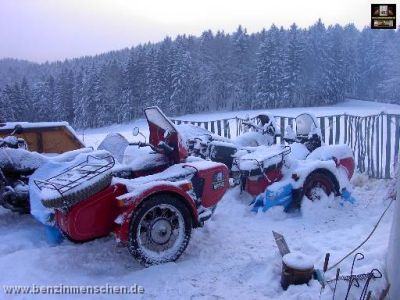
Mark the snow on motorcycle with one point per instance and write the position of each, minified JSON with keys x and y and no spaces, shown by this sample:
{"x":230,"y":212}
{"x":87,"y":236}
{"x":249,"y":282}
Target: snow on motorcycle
{"x":262,"y":131}
{"x":17,"y":164}
{"x":283,"y":174}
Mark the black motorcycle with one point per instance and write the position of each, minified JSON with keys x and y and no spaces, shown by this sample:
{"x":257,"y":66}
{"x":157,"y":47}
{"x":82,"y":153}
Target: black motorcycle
{"x":15,"y":170}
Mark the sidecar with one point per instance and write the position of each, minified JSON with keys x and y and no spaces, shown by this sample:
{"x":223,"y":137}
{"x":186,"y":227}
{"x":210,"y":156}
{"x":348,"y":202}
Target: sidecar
{"x":152,"y":210}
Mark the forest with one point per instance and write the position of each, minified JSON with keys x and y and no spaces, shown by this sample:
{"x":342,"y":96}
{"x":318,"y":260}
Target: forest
{"x":216,"y":71}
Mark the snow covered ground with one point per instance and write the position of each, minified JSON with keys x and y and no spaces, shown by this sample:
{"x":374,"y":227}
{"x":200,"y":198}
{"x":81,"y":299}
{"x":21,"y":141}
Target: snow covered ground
{"x":233,"y":256}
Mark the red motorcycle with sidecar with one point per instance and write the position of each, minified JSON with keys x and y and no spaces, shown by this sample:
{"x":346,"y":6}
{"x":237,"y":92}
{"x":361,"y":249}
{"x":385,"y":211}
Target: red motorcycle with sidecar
{"x":151,"y":205}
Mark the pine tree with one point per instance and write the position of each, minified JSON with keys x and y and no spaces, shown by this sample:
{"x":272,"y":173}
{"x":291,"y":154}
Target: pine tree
{"x":293,"y":81}
{"x":241,"y":70}
{"x":270,"y":73}
{"x":181,"y":98}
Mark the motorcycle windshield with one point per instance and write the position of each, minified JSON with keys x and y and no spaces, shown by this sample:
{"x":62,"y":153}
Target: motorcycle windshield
{"x":155,"y":116}
{"x":163,"y":130}
{"x":305,"y":124}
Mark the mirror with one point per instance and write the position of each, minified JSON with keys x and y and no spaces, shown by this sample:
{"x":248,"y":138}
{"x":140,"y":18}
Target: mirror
{"x":135,"y":131}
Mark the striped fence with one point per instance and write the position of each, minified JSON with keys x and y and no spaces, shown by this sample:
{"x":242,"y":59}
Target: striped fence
{"x":374,"y":139}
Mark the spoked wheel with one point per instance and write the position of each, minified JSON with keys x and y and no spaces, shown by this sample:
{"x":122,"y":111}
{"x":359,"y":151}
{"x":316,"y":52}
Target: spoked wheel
{"x":317,"y":185}
{"x":160,"y":230}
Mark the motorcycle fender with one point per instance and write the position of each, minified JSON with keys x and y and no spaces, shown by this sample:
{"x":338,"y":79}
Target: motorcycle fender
{"x":131,"y":205}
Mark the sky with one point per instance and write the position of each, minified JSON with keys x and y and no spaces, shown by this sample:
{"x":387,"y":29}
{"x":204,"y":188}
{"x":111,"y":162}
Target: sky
{"x":49,"y":30}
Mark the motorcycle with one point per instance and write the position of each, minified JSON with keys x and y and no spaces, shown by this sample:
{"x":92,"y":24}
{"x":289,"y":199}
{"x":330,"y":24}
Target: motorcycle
{"x":16,"y":165}
{"x":152,"y":203}
{"x":262,"y":131}
{"x":282,"y":175}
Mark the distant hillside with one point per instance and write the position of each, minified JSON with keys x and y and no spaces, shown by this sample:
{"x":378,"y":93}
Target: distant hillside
{"x":214,"y":72}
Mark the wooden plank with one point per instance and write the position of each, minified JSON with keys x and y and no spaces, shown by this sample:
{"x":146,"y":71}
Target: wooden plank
{"x":281,"y":243}
{"x":238,"y":126}
{"x":358,"y":143}
{"x":213,"y":126}
{"x":282,"y":127}
{"x":381,"y":147}
{"x":397,"y":139}
{"x":388,"y":145}
{"x":363,"y":135}
{"x":226,"y":128}
{"x":330,"y":130}
{"x":346,"y":122}
{"x":350,"y":129}
{"x":364,"y":142}
{"x":219,"y":130}
{"x":373,"y":152}
{"x":322,"y":125}
{"x":377,"y":144}
{"x":290,"y":123}
{"x":368,"y":145}
{"x":337,"y":135}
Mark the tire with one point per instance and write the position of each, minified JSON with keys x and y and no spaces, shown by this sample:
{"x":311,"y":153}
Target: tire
{"x":317,"y":182}
{"x":152,"y":223}
{"x":21,"y":206}
{"x":77,"y":194}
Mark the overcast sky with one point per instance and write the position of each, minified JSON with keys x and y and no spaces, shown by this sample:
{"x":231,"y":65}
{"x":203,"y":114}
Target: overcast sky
{"x":40,"y":30}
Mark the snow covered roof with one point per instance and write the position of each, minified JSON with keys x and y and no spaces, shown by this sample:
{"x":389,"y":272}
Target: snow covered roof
{"x":36,"y":144}
{"x":11,"y":125}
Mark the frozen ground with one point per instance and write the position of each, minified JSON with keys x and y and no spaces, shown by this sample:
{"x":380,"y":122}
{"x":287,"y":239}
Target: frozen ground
{"x":233,"y":257}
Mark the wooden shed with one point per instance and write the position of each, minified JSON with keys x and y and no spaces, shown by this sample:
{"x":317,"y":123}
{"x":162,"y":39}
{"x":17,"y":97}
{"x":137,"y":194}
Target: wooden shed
{"x":45,"y":137}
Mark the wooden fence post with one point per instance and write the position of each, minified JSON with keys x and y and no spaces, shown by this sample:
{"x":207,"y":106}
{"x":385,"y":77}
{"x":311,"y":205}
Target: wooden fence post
{"x":388,"y":145}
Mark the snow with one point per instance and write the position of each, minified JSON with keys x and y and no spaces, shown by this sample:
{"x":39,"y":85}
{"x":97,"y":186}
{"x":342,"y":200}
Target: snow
{"x":233,"y":256}
{"x":350,"y":106}
{"x":265,"y":155}
{"x":298,"y":151}
{"x":328,"y":152}
{"x":137,"y":158}
{"x":298,"y":261}
{"x":11,"y":125}
{"x":138,"y":185}
{"x":20,"y":159}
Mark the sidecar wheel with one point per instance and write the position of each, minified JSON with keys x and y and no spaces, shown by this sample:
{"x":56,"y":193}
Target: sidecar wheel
{"x":160,"y":230}
{"x":317,"y":184}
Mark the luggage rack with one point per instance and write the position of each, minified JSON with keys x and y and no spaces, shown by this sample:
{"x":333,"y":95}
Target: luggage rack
{"x":260,"y":164}
{"x":76,"y":175}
